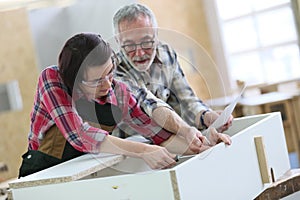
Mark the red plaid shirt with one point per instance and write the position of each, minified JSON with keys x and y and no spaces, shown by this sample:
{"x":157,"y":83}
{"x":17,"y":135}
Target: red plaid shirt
{"x":53,"y":105}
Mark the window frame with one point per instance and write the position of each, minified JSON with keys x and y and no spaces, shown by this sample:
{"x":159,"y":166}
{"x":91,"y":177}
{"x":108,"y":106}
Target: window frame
{"x":220,"y":54}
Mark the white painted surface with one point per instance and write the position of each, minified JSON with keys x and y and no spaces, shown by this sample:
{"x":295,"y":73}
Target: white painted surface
{"x":149,"y":186}
{"x":223,"y":172}
{"x":232,"y":172}
{"x":294,"y":196}
{"x":52,"y":26}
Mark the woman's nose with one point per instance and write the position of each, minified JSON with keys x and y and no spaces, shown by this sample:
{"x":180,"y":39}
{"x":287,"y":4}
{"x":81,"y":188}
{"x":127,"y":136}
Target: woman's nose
{"x":106,"y":83}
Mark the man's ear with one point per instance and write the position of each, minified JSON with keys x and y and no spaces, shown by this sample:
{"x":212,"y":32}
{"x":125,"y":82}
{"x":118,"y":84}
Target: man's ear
{"x":117,"y":39}
{"x":156,"y":32}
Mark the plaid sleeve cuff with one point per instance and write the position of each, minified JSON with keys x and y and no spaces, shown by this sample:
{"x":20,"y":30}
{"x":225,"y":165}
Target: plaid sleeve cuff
{"x":149,"y":102}
{"x":161,"y":136}
{"x":92,"y":138}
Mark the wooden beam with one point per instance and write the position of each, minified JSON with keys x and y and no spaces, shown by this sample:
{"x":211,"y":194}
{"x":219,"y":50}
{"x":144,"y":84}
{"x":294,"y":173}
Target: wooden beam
{"x":288,"y":184}
{"x":262,"y":159}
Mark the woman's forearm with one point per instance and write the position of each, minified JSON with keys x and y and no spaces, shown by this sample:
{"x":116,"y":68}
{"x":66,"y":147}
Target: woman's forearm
{"x":120,"y":146}
{"x":156,"y":157}
{"x":170,"y":121}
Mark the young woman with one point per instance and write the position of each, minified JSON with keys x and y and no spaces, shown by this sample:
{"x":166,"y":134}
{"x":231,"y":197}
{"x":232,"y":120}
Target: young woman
{"x":79,"y":108}
{"x":84,"y":77}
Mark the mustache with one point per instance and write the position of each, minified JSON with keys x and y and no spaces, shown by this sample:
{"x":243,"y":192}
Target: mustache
{"x":140,"y":58}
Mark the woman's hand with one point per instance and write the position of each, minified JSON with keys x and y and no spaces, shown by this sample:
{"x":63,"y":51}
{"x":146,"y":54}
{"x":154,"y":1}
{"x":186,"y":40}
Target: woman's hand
{"x":155,"y":156}
{"x":158,"y":157}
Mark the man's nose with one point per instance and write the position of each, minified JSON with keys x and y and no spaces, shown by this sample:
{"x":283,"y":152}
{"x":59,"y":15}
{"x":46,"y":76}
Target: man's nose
{"x":139,"y":51}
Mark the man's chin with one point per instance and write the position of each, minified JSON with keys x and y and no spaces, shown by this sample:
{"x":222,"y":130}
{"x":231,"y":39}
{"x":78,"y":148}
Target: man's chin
{"x":142,"y":67}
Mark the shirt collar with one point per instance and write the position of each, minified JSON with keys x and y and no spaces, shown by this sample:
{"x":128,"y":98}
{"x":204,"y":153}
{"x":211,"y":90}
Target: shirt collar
{"x":158,"y":56}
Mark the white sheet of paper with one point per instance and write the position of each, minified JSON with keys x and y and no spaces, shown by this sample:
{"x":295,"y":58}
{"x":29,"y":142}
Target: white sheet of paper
{"x":226,"y":113}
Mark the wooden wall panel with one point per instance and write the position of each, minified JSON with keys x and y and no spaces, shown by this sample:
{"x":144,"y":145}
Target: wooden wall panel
{"x":188,"y":18}
{"x":17,"y":63}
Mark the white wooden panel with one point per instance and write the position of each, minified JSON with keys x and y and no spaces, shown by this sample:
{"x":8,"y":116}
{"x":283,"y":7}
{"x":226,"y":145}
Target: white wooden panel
{"x":68,"y":171}
{"x":222,"y":172}
{"x":294,"y":196}
{"x":149,"y":186}
{"x":232,"y":172}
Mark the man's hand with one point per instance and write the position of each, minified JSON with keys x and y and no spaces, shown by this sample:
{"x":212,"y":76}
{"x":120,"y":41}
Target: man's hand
{"x":211,"y":116}
{"x":197,"y":142}
{"x":215,"y":137}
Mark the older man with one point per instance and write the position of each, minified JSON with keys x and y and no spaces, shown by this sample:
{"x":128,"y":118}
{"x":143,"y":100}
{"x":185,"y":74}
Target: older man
{"x":154,"y":75}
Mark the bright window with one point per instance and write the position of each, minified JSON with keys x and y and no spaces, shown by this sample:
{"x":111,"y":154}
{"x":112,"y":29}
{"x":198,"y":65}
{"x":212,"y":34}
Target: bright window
{"x":260,"y":40}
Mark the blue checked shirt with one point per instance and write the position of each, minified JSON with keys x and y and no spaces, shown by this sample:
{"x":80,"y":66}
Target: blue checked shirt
{"x":164,"y":84}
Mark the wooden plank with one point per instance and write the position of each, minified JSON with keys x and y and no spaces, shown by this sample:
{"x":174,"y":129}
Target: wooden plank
{"x":71,"y":170}
{"x":262,"y":159}
{"x":288,"y":184}
{"x":174,"y":185}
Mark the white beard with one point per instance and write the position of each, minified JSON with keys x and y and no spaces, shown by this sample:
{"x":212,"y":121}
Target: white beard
{"x":141,"y":67}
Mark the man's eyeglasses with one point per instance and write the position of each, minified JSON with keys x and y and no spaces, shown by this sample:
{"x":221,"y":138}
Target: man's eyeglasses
{"x":101,"y":81}
{"x":146,"y":45}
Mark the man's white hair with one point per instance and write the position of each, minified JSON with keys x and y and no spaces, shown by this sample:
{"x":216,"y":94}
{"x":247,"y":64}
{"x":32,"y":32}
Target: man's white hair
{"x":130,"y":13}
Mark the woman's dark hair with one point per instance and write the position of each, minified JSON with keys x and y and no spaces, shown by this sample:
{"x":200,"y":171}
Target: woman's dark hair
{"x":80,"y":52}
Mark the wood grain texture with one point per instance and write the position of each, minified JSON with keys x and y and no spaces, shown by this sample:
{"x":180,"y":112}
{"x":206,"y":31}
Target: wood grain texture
{"x":262,"y":159}
{"x":288,"y":184}
{"x":17,"y":63}
{"x":185,"y":28}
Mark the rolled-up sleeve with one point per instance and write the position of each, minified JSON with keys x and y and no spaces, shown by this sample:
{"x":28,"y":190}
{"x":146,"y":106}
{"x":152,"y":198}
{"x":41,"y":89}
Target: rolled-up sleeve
{"x":190,"y":104}
{"x":136,"y":121}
